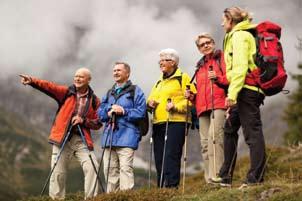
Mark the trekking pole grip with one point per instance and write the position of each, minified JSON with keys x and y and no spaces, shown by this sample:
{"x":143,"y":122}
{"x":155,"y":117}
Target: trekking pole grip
{"x":211,"y":69}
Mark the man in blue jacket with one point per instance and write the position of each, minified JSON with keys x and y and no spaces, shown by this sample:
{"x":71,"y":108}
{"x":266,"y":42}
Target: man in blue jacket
{"x":126,"y":104}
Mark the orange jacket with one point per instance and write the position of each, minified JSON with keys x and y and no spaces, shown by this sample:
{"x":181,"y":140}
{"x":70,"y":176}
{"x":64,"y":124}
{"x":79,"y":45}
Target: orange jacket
{"x":66,"y":109}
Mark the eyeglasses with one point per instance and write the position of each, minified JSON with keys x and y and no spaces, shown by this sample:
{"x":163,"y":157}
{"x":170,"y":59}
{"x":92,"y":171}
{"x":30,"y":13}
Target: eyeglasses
{"x":201,"y":45}
{"x":167,"y":60}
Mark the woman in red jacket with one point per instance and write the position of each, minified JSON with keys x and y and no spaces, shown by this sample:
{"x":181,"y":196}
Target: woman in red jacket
{"x":210,"y":104}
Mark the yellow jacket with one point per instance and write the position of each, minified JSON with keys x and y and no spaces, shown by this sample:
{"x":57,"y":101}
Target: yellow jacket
{"x":175,"y":89}
{"x":239,"y":51}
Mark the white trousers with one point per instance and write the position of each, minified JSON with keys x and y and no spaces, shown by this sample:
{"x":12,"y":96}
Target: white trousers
{"x":73,"y":148}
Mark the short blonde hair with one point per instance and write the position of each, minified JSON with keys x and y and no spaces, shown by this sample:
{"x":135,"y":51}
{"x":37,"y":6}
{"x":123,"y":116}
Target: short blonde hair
{"x":237,"y":14}
{"x":203,"y":35}
{"x":169,"y":53}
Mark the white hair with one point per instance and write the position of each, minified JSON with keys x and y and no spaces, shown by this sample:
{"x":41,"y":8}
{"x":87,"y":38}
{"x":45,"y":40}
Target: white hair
{"x":169,"y":53}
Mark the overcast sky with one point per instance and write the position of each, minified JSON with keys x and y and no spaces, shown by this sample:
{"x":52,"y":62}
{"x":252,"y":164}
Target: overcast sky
{"x":52,"y":38}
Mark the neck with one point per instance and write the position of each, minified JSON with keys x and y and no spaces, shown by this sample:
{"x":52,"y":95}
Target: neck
{"x":170,"y":73}
{"x":121,"y":83}
{"x":82,"y":90}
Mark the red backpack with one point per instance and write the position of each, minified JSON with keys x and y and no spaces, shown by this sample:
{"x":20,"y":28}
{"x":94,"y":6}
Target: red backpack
{"x":270,"y":75}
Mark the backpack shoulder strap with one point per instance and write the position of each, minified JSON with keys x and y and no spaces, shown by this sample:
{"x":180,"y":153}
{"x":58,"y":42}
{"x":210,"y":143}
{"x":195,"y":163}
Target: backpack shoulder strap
{"x":217,"y":57}
{"x":179,"y":79}
{"x":94,"y":101}
{"x":132,"y":92}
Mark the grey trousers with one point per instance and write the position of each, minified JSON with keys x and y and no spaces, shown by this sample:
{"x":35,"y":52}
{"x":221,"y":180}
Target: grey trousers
{"x":211,"y":140}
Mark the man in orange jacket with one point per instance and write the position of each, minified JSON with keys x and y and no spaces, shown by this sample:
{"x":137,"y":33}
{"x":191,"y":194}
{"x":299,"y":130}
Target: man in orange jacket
{"x":77,"y":106}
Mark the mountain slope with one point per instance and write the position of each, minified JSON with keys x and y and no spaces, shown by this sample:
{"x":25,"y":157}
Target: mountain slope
{"x":22,"y":150}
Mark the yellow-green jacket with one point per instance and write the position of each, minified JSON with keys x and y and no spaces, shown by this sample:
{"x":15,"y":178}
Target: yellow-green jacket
{"x":171,"y":88}
{"x":239,"y":51}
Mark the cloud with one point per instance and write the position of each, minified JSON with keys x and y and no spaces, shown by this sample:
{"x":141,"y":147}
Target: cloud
{"x":51,"y":39}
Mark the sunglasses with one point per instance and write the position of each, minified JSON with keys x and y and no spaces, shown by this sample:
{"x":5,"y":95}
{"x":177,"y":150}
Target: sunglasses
{"x":201,"y":45}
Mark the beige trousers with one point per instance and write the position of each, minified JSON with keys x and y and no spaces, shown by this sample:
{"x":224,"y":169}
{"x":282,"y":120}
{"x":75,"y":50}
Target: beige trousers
{"x":75,"y":147}
{"x":121,"y":175}
{"x":207,"y":139}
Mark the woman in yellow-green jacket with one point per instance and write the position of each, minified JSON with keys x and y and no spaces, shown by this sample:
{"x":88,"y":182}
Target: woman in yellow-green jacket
{"x":243,"y":100}
{"x":171,"y":85}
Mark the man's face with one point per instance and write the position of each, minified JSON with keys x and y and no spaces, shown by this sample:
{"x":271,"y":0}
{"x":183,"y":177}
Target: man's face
{"x":81,"y":79}
{"x":120,"y":74}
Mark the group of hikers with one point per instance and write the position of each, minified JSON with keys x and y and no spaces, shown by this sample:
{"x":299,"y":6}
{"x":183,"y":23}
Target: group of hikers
{"x":223,"y":100}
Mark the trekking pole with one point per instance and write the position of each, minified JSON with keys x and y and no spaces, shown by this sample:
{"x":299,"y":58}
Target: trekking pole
{"x":186,"y":139}
{"x":266,"y":160}
{"x":89,"y":154}
{"x":110,"y":148}
{"x":151,"y":149}
{"x":165,"y":144}
{"x":102,"y":155}
{"x":213,"y":120}
{"x":234,"y":157}
{"x":56,"y":160}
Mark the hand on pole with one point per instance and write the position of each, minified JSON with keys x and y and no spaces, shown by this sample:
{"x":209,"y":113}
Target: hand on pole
{"x":117,"y":109}
{"x":77,"y":120}
{"x":189,"y":94}
{"x":152,"y":104}
{"x":170,"y":106}
{"x":212,"y":75}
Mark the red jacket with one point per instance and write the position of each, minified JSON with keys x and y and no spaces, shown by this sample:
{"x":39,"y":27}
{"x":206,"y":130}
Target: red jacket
{"x":203,"y":100}
{"x":66,"y":109}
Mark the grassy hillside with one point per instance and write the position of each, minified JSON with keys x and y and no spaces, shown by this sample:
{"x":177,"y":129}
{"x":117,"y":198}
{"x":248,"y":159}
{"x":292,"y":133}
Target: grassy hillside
{"x":25,"y":159}
{"x":282,"y":182}
{"x":18,"y":155}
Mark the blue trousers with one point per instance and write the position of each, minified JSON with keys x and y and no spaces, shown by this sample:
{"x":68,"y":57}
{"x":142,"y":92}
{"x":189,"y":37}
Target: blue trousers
{"x":175,"y":142}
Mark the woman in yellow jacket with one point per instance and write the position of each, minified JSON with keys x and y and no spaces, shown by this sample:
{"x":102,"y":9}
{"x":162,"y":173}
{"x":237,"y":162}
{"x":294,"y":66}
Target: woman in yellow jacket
{"x":242,"y":100}
{"x":171,"y":85}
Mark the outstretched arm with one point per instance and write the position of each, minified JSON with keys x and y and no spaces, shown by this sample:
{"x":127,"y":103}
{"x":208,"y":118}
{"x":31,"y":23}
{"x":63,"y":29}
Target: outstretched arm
{"x":51,"y":89}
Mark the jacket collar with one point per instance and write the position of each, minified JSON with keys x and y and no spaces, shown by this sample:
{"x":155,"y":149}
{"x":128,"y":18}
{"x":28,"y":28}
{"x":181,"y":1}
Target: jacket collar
{"x":73,"y":91}
{"x":215,"y":55}
{"x":177,"y":73}
{"x":126,"y":88}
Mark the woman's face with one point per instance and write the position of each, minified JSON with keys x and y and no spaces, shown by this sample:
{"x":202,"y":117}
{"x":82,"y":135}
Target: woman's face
{"x":206,"y":46}
{"x":167,"y":66}
{"x":226,"y":24}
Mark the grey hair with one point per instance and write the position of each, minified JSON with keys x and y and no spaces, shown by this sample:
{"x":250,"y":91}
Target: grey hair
{"x":126,"y":65}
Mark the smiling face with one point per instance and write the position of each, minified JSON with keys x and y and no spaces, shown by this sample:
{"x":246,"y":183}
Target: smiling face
{"x":167,"y":66}
{"x":206,"y":45}
{"x":120,"y":74}
{"x":81,"y":79}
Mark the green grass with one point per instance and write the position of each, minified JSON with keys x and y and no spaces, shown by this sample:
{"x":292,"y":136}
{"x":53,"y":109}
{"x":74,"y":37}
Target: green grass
{"x":282,"y":182}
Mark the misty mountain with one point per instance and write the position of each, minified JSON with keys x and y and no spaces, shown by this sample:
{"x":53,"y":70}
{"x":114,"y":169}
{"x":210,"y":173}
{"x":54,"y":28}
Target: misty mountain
{"x":38,"y":110}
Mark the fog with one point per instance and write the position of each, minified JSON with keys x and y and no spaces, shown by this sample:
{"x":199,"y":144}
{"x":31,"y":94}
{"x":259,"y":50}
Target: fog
{"x":52,"y":38}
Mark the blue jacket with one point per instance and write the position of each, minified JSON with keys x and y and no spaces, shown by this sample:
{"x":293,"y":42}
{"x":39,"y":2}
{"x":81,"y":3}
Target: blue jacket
{"x":125,"y":133}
